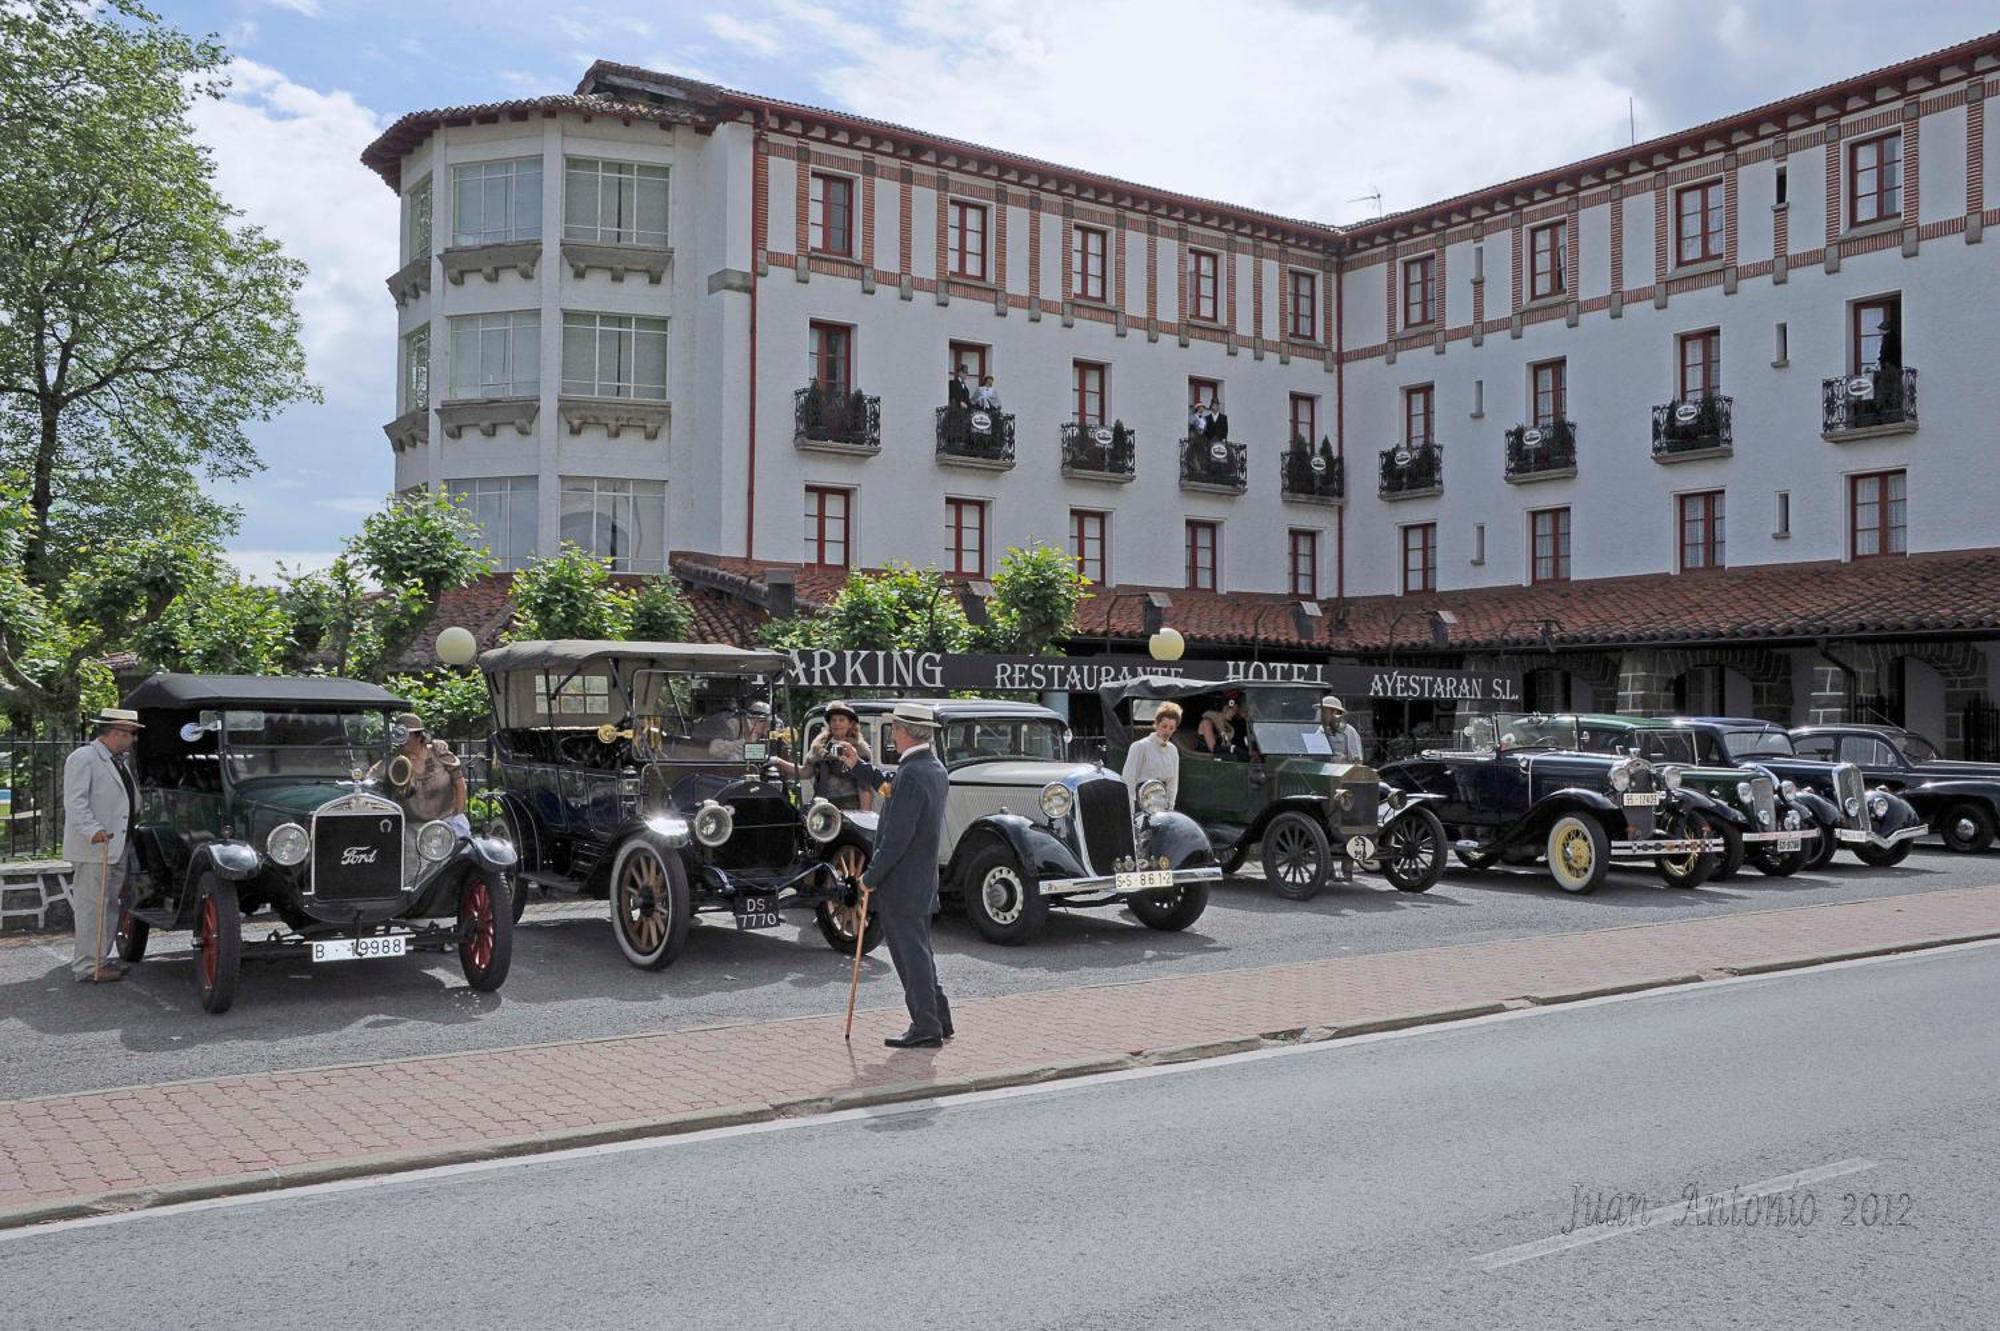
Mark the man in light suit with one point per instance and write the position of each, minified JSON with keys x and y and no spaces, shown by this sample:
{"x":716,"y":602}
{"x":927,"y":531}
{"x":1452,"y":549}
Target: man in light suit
{"x":902,"y":875}
{"x":100,"y":804}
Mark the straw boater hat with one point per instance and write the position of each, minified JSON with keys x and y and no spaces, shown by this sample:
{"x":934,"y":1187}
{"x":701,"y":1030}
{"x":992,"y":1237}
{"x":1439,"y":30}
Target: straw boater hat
{"x":124,"y":718}
{"x":915,"y":716}
{"x":1333,"y":704}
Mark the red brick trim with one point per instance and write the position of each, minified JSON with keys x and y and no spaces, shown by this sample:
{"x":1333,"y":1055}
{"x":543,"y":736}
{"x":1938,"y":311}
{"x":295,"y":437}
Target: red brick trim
{"x":1836,"y":197}
{"x":802,"y":202}
{"x":1662,"y":237}
{"x":1519,"y":233}
{"x":1975,"y":152}
{"x":1118,"y":248}
{"x":1152,"y":270}
{"x":1617,"y":204}
{"x":1001,"y":207}
{"x":868,"y":221}
{"x":906,"y":227}
{"x":942,"y":193}
{"x":1256,"y":290}
{"x":1911,"y":125}
{"x":1035,"y":249}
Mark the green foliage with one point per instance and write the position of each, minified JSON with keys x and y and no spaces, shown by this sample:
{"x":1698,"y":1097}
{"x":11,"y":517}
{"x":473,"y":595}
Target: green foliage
{"x":660,"y":611}
{"x":345,"y":627}
{"x":219,"y":624}
{"x":902,"y":608}
{"x":452,"y":702}
{"x":1035,"y":595}
{"x":427,"y":538}
{"x":570,"y":595}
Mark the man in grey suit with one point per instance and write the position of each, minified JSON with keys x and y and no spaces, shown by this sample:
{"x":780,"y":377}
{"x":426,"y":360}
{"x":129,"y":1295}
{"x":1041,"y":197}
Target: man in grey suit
{"x":902,"y":875}
{"x":100,"y":803}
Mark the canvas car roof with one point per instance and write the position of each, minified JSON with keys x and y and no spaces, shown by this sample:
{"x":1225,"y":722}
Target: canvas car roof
{"x":192,"y":692}
{"x":700,"y":657}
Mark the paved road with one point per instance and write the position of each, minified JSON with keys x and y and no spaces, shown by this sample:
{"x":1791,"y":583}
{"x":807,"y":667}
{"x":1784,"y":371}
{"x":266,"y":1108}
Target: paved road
{"x":570,"y":983}
{"x":1348,"y":1185}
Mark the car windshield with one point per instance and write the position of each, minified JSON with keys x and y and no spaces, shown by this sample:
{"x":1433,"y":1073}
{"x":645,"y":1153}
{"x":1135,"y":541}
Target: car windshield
{"x":1660,"y":746}
{"x":1915,"y":747}
{"x":1515,"y":730}
{"x":337,"y":745}
{"x":1758,"y":744}
{"x":998,"y":739}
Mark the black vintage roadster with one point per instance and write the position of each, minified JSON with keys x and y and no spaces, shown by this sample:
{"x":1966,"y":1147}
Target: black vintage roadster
{"x":254,"y":795}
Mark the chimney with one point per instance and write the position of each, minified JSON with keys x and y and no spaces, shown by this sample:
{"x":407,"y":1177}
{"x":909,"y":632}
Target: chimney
{"x":781,"y":592}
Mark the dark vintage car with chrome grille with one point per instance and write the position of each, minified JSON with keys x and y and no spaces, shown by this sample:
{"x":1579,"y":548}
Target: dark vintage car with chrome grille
{"x":1310,"y":818}
{"x":1958,"y":800}
{"x":657,"y":774}
{"x":254,"y":796}
{"x":1877,"y":826}
{"x":1515,"y":794}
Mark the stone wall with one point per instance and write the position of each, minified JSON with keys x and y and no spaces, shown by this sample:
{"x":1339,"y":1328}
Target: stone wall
{"x":34,"y":896}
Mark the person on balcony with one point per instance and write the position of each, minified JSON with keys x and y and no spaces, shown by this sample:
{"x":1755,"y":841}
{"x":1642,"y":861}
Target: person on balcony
{"x":1218,"y":422}
{"x":1198,"y":421}
{"x":986,"y":397}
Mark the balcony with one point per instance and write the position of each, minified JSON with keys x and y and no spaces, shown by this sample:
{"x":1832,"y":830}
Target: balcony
{"x":1313,"y":475}
{"x":1099,"y":452}
{"x":974,"y":437}
{"x":1412,"y":471}
{"x":1214,"y":466}
{"x":1689,"y":429}
{"x":1545,"y":452}
{"x":1868,"y":405}
{"x":836,"y":421}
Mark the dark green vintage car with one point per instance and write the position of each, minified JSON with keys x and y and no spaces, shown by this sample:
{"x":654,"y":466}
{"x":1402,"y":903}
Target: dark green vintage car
{"x":254,"y":794}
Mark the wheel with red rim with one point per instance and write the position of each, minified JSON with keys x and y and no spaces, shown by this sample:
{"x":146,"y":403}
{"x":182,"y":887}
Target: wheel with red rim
{"x":485,"y":932}
{"x":218,"y":943}
{"x":132,"y":935}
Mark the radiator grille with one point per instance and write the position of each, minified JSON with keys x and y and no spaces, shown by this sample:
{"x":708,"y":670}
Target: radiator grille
{"x":1764,"y":802}
{"x":1104,"y":814}
{"x":358,"y":856}
{"x":1848,"y":784}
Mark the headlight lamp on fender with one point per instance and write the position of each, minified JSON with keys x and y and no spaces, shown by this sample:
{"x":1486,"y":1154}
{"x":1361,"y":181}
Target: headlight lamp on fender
{"x":1789,"y":789}
{"x":1878,"y":805}
{"x":435,"y":840}
{"x":713,"y":822}
{"x":1744,"y":792}
{"x":1057,"y":800}
{"x":288,"y":844}
{"x":1396,"y":799}
{"x":1621,"y":777}
{"x":1153,"y":797}
{"x":823,"y":820}
{"x":1670,"y":777}
{"x":1853,"y":806}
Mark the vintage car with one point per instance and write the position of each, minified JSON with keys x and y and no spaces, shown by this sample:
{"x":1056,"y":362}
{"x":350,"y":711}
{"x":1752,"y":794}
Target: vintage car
{"x":1515,"y":795}
{"x":254,"y":794}
{"x":1309,"y":818}
{"x":653,"y":773}
{"x":1877,"y":826}
{"x":1027,"y":828}
{"x":1959,"y":800}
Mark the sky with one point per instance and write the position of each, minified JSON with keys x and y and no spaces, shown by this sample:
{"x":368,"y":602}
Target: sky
{"x":1327,"y":110}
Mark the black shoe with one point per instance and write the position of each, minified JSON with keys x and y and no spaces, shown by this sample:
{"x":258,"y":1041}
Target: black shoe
{"x":911,"y":1040}
{"x":948,"y":1031}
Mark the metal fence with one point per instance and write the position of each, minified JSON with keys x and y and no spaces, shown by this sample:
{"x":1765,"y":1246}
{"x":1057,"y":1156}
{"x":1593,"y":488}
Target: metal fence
{"x":31,"y":795}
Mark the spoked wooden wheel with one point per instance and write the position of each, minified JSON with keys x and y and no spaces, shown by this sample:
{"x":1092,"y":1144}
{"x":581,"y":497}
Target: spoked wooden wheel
{"x":485,"y":934}
{"x":1690,"y":868}
{"x":837,"y":920}
{"x":218,"y":943}
{"x":1296,"y":856}
{"x":1412,"y":851}
{"x":650,"y":908}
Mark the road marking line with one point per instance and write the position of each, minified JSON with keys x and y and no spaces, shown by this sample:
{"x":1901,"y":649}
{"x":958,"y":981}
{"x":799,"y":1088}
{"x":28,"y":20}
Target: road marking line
{"x":1686,"y":1209}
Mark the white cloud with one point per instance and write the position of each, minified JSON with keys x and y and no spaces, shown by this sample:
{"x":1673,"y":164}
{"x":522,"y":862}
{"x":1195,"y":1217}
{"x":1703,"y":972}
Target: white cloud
{"x":271,"y":566}
{"x":746,"y":35}
{"x":307,"y":8}
{"x":354,"y":505}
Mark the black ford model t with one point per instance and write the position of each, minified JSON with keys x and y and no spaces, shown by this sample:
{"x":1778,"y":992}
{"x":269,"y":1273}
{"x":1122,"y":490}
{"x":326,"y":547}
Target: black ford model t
{"x":653,"y":773}
{"x":254,"y":794}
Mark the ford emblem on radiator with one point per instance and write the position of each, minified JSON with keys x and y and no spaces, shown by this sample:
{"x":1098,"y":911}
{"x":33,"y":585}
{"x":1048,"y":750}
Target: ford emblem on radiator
{"x":360,"y":854}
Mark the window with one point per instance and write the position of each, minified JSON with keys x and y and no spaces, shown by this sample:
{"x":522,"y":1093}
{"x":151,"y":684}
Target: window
{"x":1875,"y":179}
{"x":567,"y":694}
{"x":1479,"y":543}
{"x":1304,"y":551}
{"x":832,"y":350}
{"x":1545,"y":261}
{"x":1088,"y":545}
{"x":496,"y":355}
{"x":615,"y":203}
{"x":1204,"y":391}
{"x":1783,"y":187}
{"x":417,"y":237}
{"x":828,"y":526}
{"x":969,"y":357}
{"x":1873,"y":321}
{"x":1548,"y":530}
{"x":503,"y":508}
{"x":417,"y":369}
{"x":967,"y":240}
{"x":1420,"y":557}
{"x":1821,"y":747}
{"x":1701,"y":530}
{"x":1088,"y":247}
{"x":1784,"y":527}
{"x":1419,"y":414}
{"x":496,"y":203}
{"x":1305,"y":417}
{"x":1876,"y":521}
{"x":1698,"y":223}
{"x":1204,"y":274}
{"x":1700,"y":365}
{"x":1783,"y":347}
{"x":1419,"y":290}
{"x":830,"y":221}
{"x":965,"y":536}
{"x":1305,"y":305}
{"x":1551,"y":392}
{"x":1867,"y":751}
{"x":1088,"y":379}
{"x":1478,"y":398}
{"x":622,"y":521}
{"x":1204,"y":540}
{"x":614,"y":355}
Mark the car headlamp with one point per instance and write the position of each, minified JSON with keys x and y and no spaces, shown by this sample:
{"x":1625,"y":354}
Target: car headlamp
{"x":823,"y":820}
{"x":435,"y":840}
{"x":1853,"y":806}
{"x":1670,"y":777}
{"x":1396,"y":799}
{"x":713,"y":822}
{"x":1621,"y":776}
{"x":1789,"y":789}
{"x":1878,"y":805}
{"x":1056,"y":801}
{"x":288,"y":844}
{"x":1153,"y":796}
{"x":1745,"y":792}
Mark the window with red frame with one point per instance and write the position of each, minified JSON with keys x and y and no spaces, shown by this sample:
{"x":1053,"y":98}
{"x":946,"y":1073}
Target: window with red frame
{"x":1088,"y":378}
{"x":1873,"y":318}
{"x":1089,"y":544}
{"x":1304,"y":543}
{"x":1701,"y":531}
{"x":830,"y":222}
{"x":1551,"y":392}
{"x":1305,"y":305}
{"x":1204,"y":541}
{"x":832,"y":349}
{"x":1305,"y":417}
{"x":1419,"y":290}
{"x":1548,"y":532}
{"x":1545,"y":262}
{"x":971,"y":358}
{"x":1204,"y":391}
{"x":1420,"y":557}
{"x":1701,"y":365}
{"x":1876,"y":518}
{"x":1089,"y":248}
{"x":1698,"y":223}
{"x":967,"y":240}
{"x":965,"y":536}
{"x":828,"y":526}
{"x":1419,"y":414}
{"x":1875,"y":179}
{"x":1204,"y":285}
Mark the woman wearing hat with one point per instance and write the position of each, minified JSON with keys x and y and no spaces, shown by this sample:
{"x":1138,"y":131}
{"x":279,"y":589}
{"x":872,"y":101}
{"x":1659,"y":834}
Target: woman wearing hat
{"x":1222,"y":730}
{"x":100,"y":805}
{"x":435,"y":787}
{"x":831,"y":779}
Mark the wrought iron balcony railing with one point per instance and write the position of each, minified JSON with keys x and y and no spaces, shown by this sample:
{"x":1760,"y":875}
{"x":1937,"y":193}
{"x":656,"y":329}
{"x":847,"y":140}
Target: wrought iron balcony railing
{"x":847,"y":422}
{"x":1221,"y":465}
{"x":975,"y":437}
{"x":1693,"y":427}
{"x":1411,"y":471}
{"x":1099,"y":452}
{"x":1313,"y":475}
{"x":1879,"y":401}
{"x":1543,"y":452}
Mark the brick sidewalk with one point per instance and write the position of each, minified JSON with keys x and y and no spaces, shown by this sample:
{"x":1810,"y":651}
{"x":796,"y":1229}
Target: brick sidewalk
{"x":138,"y":1146}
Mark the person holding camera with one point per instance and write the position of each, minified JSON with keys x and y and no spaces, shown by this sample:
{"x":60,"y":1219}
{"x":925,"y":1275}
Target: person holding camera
{"x":834,"y":776}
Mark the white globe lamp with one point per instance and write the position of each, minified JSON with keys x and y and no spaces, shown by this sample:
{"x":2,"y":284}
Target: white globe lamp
{"x":1166,"y":645}
{"x":456,"y":646}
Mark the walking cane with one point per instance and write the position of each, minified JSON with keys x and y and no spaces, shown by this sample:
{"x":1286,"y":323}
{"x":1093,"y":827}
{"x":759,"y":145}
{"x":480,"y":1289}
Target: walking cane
{"x":104,"y":883}
{"x":854,"y":984}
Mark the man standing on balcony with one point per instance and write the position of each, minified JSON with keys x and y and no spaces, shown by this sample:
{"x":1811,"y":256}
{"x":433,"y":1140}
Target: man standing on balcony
{"x":902,"y":875}
{"x":100,"y":806}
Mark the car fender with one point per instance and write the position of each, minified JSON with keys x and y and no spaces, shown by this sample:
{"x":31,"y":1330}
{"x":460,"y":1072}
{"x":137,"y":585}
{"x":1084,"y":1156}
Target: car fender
{"x":1179,"y":838}
{"x":1312,"y":806}
{"x":1697,"y":801}
{"x":1939,"y":795}
{"x":1903,"y":813}
{"x":1034,"y":848}
{"x":1818,"y":807}
{"x":236,"y":861}
{"x":858,"y":827}
{"x":1532,"y":826}
{"x":438,"y":892}
{"x":527,"y":832}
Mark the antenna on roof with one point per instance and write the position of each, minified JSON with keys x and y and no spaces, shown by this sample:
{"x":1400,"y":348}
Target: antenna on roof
{"x":1374,"y":197}
{"x":1631,"y":122}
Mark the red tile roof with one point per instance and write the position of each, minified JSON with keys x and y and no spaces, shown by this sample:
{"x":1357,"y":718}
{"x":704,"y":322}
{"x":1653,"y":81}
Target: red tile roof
{"x":385,"y":155}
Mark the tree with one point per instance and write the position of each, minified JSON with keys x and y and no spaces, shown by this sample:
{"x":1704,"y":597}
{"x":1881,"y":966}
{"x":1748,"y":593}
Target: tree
{"x":141,"y":325}
{"x":902,"y":608}
{"x":1035,"y":595}
{"x":452,"y":702}
{"x":660,"y":611}
{"x":219,"y":624}
{"x":570,"y":595}
{"x":427,"y":538}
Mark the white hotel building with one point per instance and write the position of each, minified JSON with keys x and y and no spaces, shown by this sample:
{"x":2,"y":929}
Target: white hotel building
{"x":1743,"y":373}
